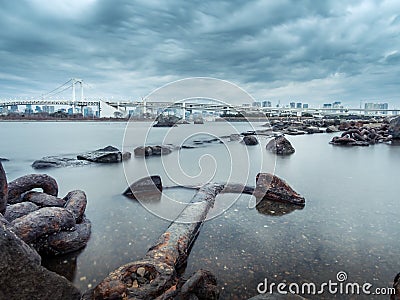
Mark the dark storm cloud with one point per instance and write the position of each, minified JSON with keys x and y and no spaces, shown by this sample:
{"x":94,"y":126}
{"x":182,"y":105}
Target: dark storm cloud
{"x":308,"y":50}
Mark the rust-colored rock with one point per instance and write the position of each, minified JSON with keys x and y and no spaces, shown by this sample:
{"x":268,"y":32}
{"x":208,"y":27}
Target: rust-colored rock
{"x":28,"y":182}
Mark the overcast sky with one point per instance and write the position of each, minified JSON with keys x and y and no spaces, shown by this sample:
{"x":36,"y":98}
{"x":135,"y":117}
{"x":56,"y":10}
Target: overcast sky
{"x":310,"y":51}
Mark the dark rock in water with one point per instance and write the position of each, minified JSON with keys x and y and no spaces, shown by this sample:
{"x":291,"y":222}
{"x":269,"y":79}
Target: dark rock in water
{"x":273,"y":188}
{"x":145,"y":186}
{"x":166,"y":121}
{"x":18,"y":210}
{"x":394,"y":128}
{"x":250,"y":140}
{"x":280,"y":145}
{"x":3,"y":190}
{"x":4,"y":159}
{"x":152,"y":150}
{"x":22,"y":276}
{"x":250,"y":132}
{"x":347,"y":141}
{"x":57,"y":162}
{"x":43,"y":199}
{"x":198,"y":121}
{"x":108,"y":154}
{"x":273,"y":208}
{"x":28,"y":182}
{"x":201,"y":285}
{"x":331,"y":129}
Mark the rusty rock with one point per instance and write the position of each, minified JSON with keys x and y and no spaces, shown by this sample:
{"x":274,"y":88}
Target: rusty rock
{"x":202,"y":284}
{"x":28,"y":182}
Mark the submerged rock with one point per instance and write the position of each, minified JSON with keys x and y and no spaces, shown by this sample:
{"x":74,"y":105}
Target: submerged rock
{"x":250,"y":140}
{"x":144,"y":151}
{"x":273,"y":188}
{"x":108,"y":154}
{"x":144,"y":187}
{"x":280,"y":145}
{"x":57,"y":162}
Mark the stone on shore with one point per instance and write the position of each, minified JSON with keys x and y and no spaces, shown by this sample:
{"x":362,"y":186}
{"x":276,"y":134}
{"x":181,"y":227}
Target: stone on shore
{"x":250,"y":140}
{"x":108,"y":154}
{"x":394,"y":128}
{"x":280,"y":145}
{"x":22,"y":276}
{"x":166,"y":121}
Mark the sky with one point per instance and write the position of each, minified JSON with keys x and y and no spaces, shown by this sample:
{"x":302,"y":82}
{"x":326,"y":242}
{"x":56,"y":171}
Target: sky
{"x":304,"y":51}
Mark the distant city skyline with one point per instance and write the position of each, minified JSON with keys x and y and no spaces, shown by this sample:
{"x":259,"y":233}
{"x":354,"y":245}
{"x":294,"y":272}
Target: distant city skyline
{"x":290,"y":51}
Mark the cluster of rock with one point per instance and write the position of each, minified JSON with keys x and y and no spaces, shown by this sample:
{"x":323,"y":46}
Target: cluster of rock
{"x":365,"y":134}
{"x":158,"y":150}
{"x":307,"y":126}
{"x":108,"y":154}
{"x":49,"y":224}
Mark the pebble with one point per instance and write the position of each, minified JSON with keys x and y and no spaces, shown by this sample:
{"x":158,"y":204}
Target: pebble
{"x":135,"y":284}
{"x":140,"y":271}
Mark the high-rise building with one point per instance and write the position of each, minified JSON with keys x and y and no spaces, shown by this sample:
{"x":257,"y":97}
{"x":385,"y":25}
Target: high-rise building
{"x":298,"y":105}
{"x":305,"y":105}
{"x":256,"y":104}
{"x":266,"y":104}
{"x":327,"y":105}
{"x":292,"y":105}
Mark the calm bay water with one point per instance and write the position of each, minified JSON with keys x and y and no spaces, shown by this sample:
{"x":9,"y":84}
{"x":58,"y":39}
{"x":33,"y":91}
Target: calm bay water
{"x":350,"y":221}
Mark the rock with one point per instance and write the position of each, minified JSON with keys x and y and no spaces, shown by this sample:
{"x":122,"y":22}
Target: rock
{"x":202,"y":284}
{"x":331,"y":129}
{"x":280,"y":145}
{"x":234,"y":137}
{"x":75,"y":202}
{"x":28,"y":182}
{"x":312,"y":130}
{"x":57,"y":162}
{"x":273,"y":188}
{"x":140,"y":271}
{"x":3,"y":190}
{"x":394,"y":128}
{"x":4,"y":159}
{"x":18,"y":210}
{"x":22,"y":276}
{"x":250,"y":140}
{"x":198,"y":121}
{"x":43,"y":221}
{"x":396,"y":286}
{"x":43,"y":199}
{"x":108,"y":154}
{"x":145,"y":186}
{"x":166,"y":121}
{"x":144,"y":151}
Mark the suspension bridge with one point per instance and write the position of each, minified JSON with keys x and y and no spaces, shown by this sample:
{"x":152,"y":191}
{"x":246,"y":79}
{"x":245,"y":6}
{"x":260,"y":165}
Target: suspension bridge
{"x":57,"y":97}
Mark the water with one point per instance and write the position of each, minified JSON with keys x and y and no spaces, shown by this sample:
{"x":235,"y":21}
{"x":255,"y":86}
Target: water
{"x":350,"y":221}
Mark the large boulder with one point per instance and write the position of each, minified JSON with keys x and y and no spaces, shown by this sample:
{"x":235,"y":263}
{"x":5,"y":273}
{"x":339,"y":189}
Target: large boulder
{"x":250,"y":140}
{"x":144,"y":151}
{"x":144,"y":187}
{"x":108,"y":154}
{"x":166,"y":121}
{"x":280,"y":145}
{"x":22,"y":276}
{"x":394,"y":128}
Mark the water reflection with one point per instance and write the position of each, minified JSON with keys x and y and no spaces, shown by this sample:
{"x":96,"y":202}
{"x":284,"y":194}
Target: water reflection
{"x":276,"y":209}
